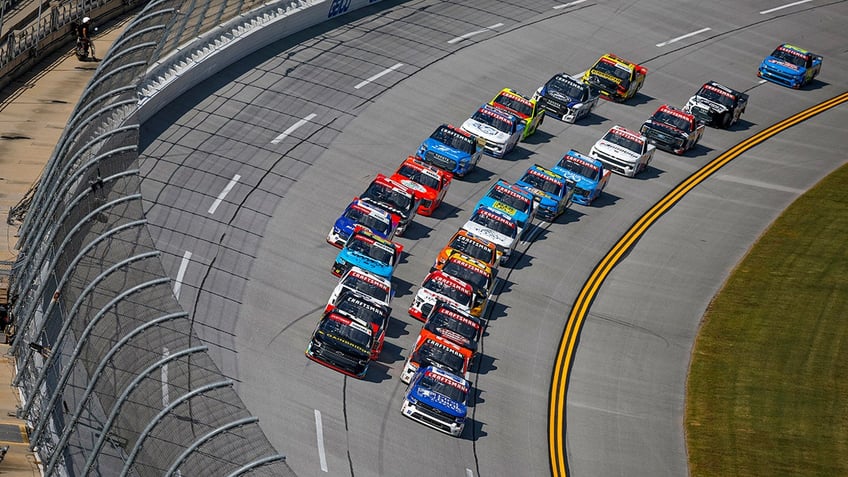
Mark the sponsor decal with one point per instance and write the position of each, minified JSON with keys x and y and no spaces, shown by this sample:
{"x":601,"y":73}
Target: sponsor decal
{"x":515,"y":97}
{"x":581,"y":162}
{"x":793,"y":51}
{"x":368,"y":280}
{"x":474,"y":268}
{"x":462,"y":239}
{"x":497,"y":217}
{"x":718,"y":90}
{"x":458,"y":317}
{"x":364,"y":304}
{"x":504,"y":208}
{"x":628,"y":135}
{"x":544,"y":174}
{"x":510,"y":192}
{"x":495,"y":114}
{"x":451,"y":283}
{"x":444,"y":380}
{"x":606,"y":76}
{"x":676,"y":113}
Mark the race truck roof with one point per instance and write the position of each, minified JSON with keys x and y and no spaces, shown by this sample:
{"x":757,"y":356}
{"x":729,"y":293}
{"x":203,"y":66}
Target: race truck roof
{"x":455,"y":325}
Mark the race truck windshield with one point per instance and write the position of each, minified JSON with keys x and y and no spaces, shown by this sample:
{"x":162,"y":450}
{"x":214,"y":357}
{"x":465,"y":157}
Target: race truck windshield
{"x":439,"y":355}
{"x":790,"y":57}
{"x":510,"y":198}
{"x":472,"y":248}
{"x":416,"y":175}
{"x":386,"y":195}
{"x":495,"y":120}
{"x":580,"y":167}
{"x":673,"y":120}
{"x":463,"y":327}
{"x":716,"y":95}
{"x":455,"y":140}
{"x":542,"y":182}
{"x":361,"y":309}
{"x":613,"y":70}
{"x":519,"y":105}
{"x":626,"y":141}
{"x":567,"y":87}
{"x":493,"y":222}
{"x":341,"y":329}
{"x":371,"y":248}
{"x":474,"y":276}
{"x":444,"y":288}
{"x":367,"y":286}
{"x":452,"y":391}
{"x":362,"y":217}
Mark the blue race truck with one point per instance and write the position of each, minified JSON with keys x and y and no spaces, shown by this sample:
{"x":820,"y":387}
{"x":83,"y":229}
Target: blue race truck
{"x":437,"y":399}
{"x":588,"y":174}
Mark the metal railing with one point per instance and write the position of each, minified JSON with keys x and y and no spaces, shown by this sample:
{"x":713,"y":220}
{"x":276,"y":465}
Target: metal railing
{"x":113,"y":378}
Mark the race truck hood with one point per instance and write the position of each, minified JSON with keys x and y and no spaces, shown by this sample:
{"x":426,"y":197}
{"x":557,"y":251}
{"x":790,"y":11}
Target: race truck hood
{"x":431,"y":297}
{"x":517,"y":215}
{"x":666,"y":128}
{"x":485,"y":131}
{"x":545,"y":199}
{"x":431,"y":144}
{"x":346,"y":226}
{"x":439,"y":401}
{"x":398,"y":214}
{"x":706,"y":103}
{"x":502,"y":241}
{"x":581,"y":181}
{"x":366,"y":263}
{"x":340,"y":343}
{"x":784,"y":67}
{"x":562,"y":98}
{"x":419,"y":190}
{"x":616,"y":151}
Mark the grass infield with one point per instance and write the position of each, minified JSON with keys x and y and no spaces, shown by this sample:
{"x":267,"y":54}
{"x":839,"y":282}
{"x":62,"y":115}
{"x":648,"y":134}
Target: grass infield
{"x":768,"y":382}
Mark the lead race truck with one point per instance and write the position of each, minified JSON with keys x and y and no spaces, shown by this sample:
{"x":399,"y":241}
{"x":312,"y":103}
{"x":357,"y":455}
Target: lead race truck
{"x":437,"y":399}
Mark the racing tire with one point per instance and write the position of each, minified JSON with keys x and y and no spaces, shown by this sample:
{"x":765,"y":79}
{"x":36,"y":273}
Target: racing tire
{"x":726,"y":120}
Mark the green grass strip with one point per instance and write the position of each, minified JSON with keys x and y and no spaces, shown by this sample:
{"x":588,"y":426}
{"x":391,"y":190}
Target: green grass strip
{"x":768,"y":383}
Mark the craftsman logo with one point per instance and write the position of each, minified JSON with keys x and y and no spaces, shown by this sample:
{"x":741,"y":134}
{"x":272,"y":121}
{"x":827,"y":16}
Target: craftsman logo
{"x":628,"y":135}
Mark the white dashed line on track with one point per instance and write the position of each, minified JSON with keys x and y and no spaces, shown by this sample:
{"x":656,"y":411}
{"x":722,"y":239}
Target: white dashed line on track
{"x":771,"y":10}
{"x":378,"y":75}
{"x":178,"y":284}
{"x":292,"y":128}
{"x":569,"y":4}
{"x":682,"y":37}
{"x":319,"y":430}
{"x":470,"y":34}
{"x":224,"y":193}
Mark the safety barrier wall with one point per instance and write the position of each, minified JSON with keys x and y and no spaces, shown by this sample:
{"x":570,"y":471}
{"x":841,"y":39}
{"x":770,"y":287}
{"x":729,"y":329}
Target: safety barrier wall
{"x":113,"y":379}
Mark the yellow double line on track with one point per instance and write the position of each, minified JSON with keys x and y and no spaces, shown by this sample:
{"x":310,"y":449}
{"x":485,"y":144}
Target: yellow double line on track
{"x":568,"y":344}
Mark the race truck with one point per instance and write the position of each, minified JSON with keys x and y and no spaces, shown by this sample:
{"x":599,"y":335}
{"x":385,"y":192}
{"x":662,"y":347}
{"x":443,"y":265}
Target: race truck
{"x":790,"y":66}
{"x":356,"y":213}
{"x":452,"y":149}
{"x":368,"y":251}
{"x":527,"y":109}
{"x":429,"y":183}
{"x":617,"y":78}
{"x":501,"y":130}
{"x":551,"y":191}
{"x":623,"y":151}
{"x":450,"y":322}
{"x":439,"y":286}
{"x":432,"y":350}
{"x":364,"y":282}
{"x":362,"y":307}
{"x":437,"y":399}
{"x":511,"y":200}
{"x":717,"y":105}
{"x":496,"y":227}
{"x":673,"y":129}
{"x":567,"y":98}
{"x":480,"y":276}
{"x":469,"y":244}
{"x":342,"y":343}
{"x":393,"y":197}
{"x":588,"y":174}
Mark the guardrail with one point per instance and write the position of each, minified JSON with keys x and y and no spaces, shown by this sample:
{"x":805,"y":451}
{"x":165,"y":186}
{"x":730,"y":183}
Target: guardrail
{"x":111,"y":375}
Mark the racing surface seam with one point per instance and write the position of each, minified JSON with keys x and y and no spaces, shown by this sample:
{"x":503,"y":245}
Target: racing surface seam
{"x":574,"y":324}
{"x":347,"y":429}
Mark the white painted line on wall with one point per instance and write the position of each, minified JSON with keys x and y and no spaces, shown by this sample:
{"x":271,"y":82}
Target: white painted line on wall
{"x":470,"y":34}
{"x":224,"y":193}
{"x":166,"y":398}
{"x":178,"y":285}
{"x":766,"y":12}
{"x":569,"y":4}
{"x":319,"y":429}
{"x":702,"y":30}
{"x":378,"y":75}
{"x":292,"y":128}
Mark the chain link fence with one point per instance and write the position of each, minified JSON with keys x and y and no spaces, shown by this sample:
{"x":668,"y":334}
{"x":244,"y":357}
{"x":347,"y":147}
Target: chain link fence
{"x":113,"y":380}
